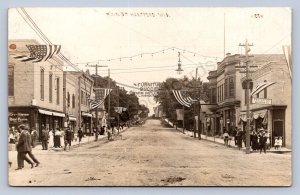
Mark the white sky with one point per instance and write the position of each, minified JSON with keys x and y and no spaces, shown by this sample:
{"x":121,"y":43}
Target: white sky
{"x":89,"y":34}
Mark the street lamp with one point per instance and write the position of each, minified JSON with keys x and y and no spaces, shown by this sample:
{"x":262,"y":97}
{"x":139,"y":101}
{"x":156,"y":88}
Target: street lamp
{"x":179,"y":69}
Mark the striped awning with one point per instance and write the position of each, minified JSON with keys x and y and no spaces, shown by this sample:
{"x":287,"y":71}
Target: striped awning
{"x":46,"y":112}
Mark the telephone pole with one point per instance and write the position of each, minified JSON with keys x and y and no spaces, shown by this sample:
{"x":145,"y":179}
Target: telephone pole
{"x":247,"y":87}
{"x":97,"y":98}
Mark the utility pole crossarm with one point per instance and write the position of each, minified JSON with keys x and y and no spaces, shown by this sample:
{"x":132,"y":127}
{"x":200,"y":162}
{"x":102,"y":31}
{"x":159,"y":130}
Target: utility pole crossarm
{"x":95,"y":66}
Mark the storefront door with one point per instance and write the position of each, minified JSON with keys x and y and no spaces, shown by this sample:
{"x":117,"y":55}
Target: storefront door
{"x":278,"y":130}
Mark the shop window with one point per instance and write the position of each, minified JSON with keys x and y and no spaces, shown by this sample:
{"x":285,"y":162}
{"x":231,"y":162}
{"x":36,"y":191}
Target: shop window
{"x":42,"y":83}
{"x":11,"y":81}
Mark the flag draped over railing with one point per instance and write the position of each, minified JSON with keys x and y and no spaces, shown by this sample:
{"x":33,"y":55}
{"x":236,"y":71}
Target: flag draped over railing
{"x":183,"y":98}
{"x":101,"y":94}
{"x":39,"y":53}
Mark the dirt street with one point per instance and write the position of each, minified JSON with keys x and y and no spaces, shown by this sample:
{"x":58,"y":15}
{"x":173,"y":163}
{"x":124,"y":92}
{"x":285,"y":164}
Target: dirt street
{"x":153,"y":156}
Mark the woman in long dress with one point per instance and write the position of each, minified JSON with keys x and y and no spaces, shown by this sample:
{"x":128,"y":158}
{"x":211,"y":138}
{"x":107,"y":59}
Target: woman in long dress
{"x":62,"y":138}
{"x":51,"y":139}
{"x":57,"y":138}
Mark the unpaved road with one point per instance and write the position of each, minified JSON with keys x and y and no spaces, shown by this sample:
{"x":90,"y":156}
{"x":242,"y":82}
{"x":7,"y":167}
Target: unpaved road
{"x":153,"y":156}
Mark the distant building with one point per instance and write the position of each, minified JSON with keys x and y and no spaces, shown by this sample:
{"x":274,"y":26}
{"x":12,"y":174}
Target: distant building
{"x":35,"y":90}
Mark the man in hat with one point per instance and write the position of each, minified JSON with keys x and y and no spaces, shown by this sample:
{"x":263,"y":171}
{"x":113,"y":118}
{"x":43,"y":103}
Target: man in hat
{"x":23,"y":146}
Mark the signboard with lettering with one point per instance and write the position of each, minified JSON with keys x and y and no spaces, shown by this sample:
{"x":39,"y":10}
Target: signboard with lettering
{"x":18,"y":117}
{"x":261,"y":101}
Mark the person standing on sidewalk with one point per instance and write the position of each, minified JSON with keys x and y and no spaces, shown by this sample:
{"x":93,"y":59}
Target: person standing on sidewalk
{"x":68,"y":138}
{"x":80,"y":134}
{"x":33,"y":137}
{"x":226,"y":137}
{"x":23,"y":147}
{"x":45,"y":138}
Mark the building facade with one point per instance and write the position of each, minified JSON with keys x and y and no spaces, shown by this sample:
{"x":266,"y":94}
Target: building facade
{"x":226,"y":90}
{"x":83,"y":91}
{"x":35,"y":89}
{"x":70,"y":100}
{"x":274,"y":114}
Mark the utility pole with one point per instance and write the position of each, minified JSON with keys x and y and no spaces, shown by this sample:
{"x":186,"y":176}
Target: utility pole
{"x":97,"y":98}
{"x":109,"y":99}
{"x":195,"y":125}
{"x":183,"y":119}
{"x":118,"y":117}
{"x":247,"y":87}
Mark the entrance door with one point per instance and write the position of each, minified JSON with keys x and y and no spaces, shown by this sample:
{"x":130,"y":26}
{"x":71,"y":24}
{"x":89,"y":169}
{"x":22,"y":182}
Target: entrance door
{"x":278,"y":130}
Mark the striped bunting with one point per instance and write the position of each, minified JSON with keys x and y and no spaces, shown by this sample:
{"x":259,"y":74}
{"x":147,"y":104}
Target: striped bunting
{"x":101,"y":94}
{"x":39,"y":53}
{"x":94,"y":103}
{"x":261,"y":87}
{"x":183,"y":99}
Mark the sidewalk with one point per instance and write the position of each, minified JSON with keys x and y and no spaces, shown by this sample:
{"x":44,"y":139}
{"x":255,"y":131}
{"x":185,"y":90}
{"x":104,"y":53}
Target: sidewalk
{"x":218,"y":140}
{"x":84,"y":140}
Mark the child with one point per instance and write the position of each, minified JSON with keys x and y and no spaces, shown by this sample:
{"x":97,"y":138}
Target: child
{"x":276,"y":143}
{"x":280,"y":142}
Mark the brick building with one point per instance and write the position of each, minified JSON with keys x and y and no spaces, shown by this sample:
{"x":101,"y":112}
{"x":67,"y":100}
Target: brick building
{"x":35,"y":89}
{"x":226,"y":90}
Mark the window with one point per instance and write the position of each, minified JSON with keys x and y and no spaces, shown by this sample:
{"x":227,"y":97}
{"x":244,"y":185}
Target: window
{"x":214,"y":95}
{"x":73,"y":101}
{"x":68,"y":100}
{"x":87,"y":99}
{"x":231,"y":87}
{"x":57,"y":90}
{"x":50,"y":86}
{"x":265,"y":93}
{"x":11,"y":81}
{"x":42,"y":84}
{"x":226,"y":88}
{"x":222,"y":91}
{"x":82,"y":98}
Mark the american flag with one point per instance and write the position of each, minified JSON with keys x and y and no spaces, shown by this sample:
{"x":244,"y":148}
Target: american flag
{"x":94,"y":103}
{"x":39,"y":53}
{"x":101,"y":94}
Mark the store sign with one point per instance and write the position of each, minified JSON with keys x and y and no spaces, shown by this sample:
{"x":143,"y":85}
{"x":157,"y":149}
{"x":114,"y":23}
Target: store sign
{"x":18,"y":117}
{"x":261,"y":101}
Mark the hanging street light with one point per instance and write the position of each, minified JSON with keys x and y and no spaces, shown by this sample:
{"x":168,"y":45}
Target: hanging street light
{"x":179,"y":69}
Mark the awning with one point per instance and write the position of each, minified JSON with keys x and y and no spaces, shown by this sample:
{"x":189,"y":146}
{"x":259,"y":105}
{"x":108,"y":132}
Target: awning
{"x":86,"y":114}
{"x":72,"y":118}
{"x":45,"y":112}
{"x":59,"y":114}
{"x":260,"y":113}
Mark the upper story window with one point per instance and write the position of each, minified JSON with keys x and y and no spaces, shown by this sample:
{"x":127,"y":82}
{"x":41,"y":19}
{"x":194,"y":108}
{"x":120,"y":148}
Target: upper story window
{"x":73,"y":101}
{"x":11,"y":81}
{"x":57,"y":91}
{"x":231,"y":87}
{"x":42,"y":83}
{"x":68,"y":100}
{"x":50,"y":86}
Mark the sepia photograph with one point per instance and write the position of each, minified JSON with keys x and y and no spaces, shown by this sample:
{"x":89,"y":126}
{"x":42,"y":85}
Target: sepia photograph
{"x":141,"y":96}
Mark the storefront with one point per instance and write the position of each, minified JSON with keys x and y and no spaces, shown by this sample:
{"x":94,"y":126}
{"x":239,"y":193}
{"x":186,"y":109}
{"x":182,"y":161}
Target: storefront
{"x":35,"y":117}
{"x":86,"y":123}
{"x":270,"y":119}
{"x":72,"y":122}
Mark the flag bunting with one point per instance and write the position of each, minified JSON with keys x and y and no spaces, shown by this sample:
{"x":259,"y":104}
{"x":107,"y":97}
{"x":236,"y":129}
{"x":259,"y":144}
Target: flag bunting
{"x":183,"y":98}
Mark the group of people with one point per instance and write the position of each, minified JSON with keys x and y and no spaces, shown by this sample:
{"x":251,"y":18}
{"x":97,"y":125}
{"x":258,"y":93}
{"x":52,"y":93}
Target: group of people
{"x":58,"y":138}
{"x":259,"y":140}
{"x":24,"y":141}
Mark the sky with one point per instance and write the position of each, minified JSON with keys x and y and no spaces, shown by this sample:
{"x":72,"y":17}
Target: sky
{"x":104,"y":36}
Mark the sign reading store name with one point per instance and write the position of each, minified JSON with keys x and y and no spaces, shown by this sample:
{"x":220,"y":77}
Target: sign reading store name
{"x":147,"y":89}
{"x":261,"y":101}
{"x":18,"y":117}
